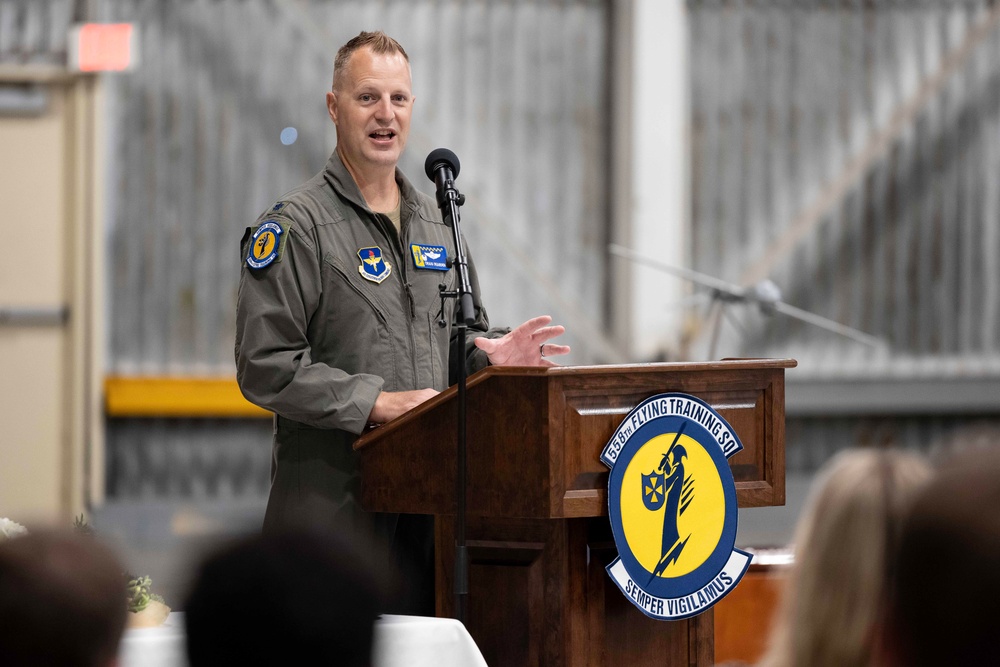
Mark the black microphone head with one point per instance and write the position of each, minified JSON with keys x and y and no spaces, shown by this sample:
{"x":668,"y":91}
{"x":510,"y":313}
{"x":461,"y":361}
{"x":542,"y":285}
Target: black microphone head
{"x":441,"y":157}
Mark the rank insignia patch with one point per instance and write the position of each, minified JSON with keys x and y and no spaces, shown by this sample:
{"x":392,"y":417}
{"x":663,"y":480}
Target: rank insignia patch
{"x":433,"y":257}
{"x":266,"y":245}
{"x":672,"y":506}
{"x":373,"y":266}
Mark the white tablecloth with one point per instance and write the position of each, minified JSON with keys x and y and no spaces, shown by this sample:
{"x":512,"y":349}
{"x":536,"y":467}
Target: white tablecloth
{"x":413,"y":641}
{"x":419,"y":641}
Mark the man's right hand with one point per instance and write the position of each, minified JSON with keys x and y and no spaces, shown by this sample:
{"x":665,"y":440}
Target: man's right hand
{"x":391,"y":404}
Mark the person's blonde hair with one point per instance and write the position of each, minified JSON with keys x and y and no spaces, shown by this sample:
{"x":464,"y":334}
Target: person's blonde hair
{"x":377,"y":41}
{"x":835,"y":595}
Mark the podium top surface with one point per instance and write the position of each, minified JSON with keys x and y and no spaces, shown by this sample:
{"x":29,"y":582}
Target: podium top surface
{"x":554,"y":372}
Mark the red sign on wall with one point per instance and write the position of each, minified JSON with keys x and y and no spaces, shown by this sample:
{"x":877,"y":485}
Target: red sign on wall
{"x":103,"y":47}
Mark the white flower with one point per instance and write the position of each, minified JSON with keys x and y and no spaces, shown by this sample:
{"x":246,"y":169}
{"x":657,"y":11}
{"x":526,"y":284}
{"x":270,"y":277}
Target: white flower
{"x":10,"y":529}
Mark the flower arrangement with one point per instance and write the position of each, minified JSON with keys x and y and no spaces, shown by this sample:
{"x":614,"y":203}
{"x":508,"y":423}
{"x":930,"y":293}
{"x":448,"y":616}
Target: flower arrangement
{"x":147,"y":609}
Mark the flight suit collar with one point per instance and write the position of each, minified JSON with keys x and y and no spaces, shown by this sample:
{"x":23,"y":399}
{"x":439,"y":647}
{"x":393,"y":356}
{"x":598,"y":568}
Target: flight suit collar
{"x":342,"y":182}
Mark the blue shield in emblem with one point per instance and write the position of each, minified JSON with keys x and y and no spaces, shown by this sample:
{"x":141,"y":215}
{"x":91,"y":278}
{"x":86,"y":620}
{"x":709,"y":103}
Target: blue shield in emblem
{"x":652,"y":491}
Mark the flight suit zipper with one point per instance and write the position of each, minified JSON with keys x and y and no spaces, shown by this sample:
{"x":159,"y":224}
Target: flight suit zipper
{"x":396,"y":243}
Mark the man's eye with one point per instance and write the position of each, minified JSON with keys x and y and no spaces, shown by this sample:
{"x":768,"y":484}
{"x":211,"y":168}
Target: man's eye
{"x":366,"y":98}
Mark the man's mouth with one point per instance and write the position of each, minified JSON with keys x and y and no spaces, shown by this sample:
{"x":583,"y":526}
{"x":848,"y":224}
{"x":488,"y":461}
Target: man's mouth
{"x":382,"y":135}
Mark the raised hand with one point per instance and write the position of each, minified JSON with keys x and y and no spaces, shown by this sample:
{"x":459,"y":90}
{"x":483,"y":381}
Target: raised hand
{"x":526,"y":345}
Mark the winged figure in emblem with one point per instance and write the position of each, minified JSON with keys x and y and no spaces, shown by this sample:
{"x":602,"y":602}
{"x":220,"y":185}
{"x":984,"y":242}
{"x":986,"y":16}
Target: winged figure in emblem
{"x":372,"y":260}
{"x":668,"y":487}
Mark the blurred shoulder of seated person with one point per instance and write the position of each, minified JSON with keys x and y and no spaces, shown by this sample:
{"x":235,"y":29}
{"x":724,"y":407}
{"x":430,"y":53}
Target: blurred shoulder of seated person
{"x":946,"y":587}
{"x":62,"y":601}
{"x":291,"y":596}
{"x":833,"y":599}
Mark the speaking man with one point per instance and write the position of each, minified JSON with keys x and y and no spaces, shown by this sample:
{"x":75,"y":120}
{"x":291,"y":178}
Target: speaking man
{"x":336,"y":319}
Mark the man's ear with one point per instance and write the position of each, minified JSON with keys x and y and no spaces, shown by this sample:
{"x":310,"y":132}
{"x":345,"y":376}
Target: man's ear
{"x":331,"y":106}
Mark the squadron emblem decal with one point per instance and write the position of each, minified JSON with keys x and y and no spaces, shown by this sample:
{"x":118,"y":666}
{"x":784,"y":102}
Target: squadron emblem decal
{"x":373,"y":266}
{"x":672,"y":505}
{"x":266,"y":245}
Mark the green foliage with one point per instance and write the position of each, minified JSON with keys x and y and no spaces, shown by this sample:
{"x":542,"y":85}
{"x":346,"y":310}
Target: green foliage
{"x":139,"y":594}
{"x":80,"y":524}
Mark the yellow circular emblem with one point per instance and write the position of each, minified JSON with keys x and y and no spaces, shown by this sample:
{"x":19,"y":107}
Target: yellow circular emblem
{"x":264,"y":245}
{"x":697,"y":497}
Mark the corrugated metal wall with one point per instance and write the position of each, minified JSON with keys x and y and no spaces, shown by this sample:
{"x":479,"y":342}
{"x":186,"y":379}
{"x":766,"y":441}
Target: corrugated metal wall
{"x":850,"y":151}
{"x":516,"y":89}
{"x":35,"y":32}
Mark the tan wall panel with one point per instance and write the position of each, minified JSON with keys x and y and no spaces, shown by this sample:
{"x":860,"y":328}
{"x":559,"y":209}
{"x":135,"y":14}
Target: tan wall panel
{"x":31,"y":445}
{"x":34,"y":273}
{"x":32,"y":164}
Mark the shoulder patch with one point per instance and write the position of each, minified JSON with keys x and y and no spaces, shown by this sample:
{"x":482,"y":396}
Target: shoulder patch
{"x":278,"y":207}
{"x":267,"y":244}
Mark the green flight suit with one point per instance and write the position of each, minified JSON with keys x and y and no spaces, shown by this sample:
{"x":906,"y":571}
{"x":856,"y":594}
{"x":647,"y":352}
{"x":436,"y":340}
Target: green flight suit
{"x":317,"y":340}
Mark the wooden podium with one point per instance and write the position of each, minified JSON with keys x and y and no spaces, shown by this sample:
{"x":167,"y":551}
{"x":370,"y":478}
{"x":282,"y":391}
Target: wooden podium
{"x":537,"y":532}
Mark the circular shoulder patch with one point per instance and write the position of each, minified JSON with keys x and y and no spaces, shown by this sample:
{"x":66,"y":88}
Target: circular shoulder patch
{"x":264,"y":245}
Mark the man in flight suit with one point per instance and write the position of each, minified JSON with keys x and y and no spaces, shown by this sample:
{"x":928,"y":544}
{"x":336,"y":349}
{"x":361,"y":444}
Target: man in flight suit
{"x":336,"y":318}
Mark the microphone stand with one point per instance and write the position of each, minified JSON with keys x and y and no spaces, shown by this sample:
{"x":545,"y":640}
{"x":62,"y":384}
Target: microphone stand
{"x":449,"y":200}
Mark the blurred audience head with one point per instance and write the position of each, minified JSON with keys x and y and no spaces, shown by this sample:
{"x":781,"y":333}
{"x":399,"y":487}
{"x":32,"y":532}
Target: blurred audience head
{"x":946,"y":592}
{"x":62,"y":601}
{"x":286,"y":597}
{"x":834,"y":597}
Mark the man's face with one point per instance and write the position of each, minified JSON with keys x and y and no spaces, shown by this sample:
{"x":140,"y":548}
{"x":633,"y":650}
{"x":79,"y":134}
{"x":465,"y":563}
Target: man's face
{"x":371,"y":106}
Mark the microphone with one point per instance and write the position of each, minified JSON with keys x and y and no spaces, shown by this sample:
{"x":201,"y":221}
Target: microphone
{"x":442,"y":160}
{"x":442,"y":167}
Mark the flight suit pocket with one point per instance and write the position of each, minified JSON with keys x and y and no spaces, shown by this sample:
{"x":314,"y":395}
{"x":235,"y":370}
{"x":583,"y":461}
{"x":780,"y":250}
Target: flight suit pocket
{"x":356,"y":325}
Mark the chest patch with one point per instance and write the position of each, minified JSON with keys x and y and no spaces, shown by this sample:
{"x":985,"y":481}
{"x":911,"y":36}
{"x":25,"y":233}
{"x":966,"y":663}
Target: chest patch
{"x":266,"y":245}
{"x":433,"y":257}
{"x":373,"y":265}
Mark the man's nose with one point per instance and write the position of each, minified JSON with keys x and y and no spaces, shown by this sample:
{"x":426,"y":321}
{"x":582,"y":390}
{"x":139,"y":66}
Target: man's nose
{"x":384,"y":110}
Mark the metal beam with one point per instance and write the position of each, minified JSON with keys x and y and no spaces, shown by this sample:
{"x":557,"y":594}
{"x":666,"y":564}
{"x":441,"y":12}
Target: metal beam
{"x":937,"y":395}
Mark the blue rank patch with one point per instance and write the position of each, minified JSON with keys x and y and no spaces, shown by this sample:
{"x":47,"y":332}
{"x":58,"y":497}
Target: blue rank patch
{"x":373,"y":266}
{"x":279,"y":206}
{"x":266,"y":245}
{"x":433,"y":257}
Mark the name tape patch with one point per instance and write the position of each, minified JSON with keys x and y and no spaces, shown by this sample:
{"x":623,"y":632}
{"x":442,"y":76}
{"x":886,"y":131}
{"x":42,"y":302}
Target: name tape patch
{"x":433,"y":257}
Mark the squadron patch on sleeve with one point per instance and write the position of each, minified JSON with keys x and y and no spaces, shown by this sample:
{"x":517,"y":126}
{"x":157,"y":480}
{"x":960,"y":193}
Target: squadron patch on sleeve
{"x":373,"y":265}
{"x":266,"y":244}
{"x":433,"y":257}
